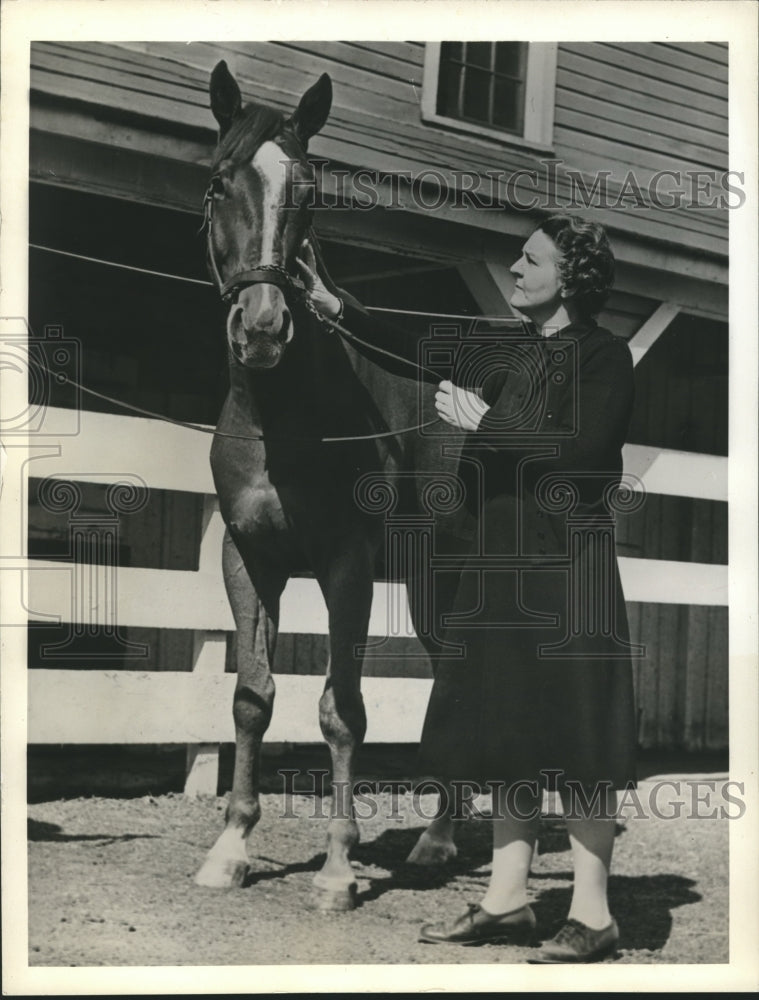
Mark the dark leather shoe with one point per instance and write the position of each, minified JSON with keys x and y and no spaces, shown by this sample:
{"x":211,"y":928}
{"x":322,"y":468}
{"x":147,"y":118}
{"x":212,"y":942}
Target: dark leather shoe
{"x":477,"y":926}
{"x":576,"y":942}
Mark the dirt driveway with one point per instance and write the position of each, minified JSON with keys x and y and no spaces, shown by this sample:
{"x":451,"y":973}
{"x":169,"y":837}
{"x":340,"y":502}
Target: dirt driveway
{"x":110,"y":884}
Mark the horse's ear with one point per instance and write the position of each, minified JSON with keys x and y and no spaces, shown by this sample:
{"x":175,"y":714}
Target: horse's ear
{"x":226,"y":99}
{"x":313,"y":110}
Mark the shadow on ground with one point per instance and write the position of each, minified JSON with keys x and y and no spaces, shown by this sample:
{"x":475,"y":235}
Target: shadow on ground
{"x":643,"y":905}
{"x":37,"y":830}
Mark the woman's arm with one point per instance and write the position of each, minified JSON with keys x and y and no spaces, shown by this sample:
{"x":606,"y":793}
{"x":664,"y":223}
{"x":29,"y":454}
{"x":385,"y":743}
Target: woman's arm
{"x":585,"y":422}
{"x":346,"y":310}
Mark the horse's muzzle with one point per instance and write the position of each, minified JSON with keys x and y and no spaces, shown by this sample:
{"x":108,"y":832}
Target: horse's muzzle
{"x":259,"y":326}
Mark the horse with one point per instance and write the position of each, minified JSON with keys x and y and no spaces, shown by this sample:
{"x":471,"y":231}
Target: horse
{"x":307,"y":418}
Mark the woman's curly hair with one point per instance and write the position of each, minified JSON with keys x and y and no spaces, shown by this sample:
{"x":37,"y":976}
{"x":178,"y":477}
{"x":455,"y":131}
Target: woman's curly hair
{"x":587,"y":263}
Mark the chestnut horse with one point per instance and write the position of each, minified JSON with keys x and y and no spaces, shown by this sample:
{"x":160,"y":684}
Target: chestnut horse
{"x":287,"y":493}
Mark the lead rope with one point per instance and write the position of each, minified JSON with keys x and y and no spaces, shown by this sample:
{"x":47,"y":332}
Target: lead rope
{"x":346,"y":334}
{"x":62,"y":379}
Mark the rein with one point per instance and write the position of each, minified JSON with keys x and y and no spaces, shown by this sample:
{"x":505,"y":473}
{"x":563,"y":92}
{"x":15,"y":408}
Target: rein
{"x":274,"y":274}
{"x":62,"y":379}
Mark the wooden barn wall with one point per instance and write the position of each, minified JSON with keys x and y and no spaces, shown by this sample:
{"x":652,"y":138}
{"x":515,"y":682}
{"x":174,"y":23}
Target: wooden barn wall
{"x":642,"y":96}
{"x":641,"y":105}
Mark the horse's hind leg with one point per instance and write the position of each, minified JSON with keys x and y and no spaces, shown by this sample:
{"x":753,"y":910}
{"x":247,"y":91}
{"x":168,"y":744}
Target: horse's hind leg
{"x":435,"y":845}
{"x":348,"y":590}
{"x":256,"y":616}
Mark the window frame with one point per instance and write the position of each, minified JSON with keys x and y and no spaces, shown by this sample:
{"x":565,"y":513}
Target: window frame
{"x":540,"y":99}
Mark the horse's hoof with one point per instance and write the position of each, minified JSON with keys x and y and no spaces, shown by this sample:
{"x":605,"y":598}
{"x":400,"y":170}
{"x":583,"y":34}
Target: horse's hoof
{"x":430,"y":852}
{"x":334,"y":897}
{"x":222,"y":875}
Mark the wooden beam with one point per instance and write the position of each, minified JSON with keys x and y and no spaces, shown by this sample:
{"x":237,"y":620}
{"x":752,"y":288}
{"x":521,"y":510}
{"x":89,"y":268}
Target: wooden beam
{"x":677,"y":473}
{"x":652,"y":329}
{"x":395,"y":272}
{"x":150,"y":598}
{"x":209,"y":660}
{"x":660,"y":581}
{"x":491,"y":284}
{"x":128,"y":169}
{"x":86,"y":451}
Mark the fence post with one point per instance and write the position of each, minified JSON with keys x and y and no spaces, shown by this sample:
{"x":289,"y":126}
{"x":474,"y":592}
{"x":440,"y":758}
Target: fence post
{"x":209,"y":656}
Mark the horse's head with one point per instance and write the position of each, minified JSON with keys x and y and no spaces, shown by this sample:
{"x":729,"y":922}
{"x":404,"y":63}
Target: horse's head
{"x":258,"y":209}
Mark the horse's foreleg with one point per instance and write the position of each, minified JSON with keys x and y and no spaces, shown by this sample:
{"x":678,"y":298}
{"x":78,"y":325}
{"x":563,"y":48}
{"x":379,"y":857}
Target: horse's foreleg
{"x":343,"y":723}
{"x":253,"y":645}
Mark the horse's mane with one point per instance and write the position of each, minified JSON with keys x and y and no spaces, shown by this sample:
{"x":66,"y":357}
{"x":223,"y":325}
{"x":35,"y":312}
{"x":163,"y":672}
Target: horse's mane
{"x":256,"y":125}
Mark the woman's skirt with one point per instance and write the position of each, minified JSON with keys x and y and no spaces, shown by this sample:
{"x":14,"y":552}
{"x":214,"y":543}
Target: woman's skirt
{"x":543,"y":688}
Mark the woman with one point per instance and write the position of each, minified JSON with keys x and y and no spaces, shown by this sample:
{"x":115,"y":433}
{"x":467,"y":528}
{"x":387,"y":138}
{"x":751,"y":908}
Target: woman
{"x":544,"y":695}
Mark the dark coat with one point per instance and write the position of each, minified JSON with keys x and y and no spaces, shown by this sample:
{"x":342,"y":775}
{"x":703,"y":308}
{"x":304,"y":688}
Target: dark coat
{"x":545,"y":680}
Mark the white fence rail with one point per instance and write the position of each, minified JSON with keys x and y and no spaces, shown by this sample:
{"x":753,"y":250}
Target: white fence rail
{"x":95,"y":706}
{"x":129,"y":706}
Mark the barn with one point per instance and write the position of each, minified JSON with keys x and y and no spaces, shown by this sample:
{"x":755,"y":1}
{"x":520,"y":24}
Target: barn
{"x":437,"y":161}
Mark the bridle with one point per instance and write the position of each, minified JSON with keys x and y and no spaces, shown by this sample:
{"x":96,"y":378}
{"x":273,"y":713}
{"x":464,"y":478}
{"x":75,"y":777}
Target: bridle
{"x":276,"y":274}
{"x":269,"y":274}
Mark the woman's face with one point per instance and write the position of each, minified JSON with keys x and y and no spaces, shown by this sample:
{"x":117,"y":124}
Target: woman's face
{"x":538,"y":288}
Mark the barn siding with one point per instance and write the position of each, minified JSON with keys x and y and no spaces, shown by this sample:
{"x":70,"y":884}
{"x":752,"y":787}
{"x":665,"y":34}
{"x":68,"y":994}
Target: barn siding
{"x":681,"y":682}
{"x":376,"y":119}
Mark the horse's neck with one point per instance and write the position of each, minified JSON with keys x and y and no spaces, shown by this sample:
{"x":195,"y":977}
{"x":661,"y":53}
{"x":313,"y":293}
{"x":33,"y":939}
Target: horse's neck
{"x":320,"y":376}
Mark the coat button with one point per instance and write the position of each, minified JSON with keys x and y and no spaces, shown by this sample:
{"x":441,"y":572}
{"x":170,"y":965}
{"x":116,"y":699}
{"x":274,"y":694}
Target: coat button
{"x":549,"y":415}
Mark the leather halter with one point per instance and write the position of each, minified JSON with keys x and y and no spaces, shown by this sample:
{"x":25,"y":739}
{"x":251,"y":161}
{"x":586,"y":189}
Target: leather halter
{"x":258,"y":274}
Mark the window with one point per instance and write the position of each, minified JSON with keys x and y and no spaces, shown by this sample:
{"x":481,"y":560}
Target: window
{"x":501,"y":90}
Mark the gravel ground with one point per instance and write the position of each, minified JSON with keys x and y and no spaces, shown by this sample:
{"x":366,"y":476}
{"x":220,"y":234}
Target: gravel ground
{"x":111,"y":884}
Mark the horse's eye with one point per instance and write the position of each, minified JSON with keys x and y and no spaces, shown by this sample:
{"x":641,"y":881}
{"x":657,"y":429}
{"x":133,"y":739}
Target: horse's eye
{"x":216,"y":185}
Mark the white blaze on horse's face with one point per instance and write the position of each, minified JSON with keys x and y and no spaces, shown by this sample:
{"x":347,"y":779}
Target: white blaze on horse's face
{"x":259,"y":324}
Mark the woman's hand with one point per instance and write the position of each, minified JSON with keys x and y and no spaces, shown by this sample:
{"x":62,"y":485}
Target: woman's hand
{"x":320,"y":297}
{"x":459,"y":407}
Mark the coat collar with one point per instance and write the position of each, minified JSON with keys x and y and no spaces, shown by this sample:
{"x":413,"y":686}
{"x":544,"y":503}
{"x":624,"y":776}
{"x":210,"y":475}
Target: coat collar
{"x":577,"y":330}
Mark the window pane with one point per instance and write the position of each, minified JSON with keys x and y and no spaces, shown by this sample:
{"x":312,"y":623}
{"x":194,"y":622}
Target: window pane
{"x":448,"y":90}
{"x":508,"y":104}
{"x":451,"y":50}
{"x":509,"y":58}
{"x":479,"y":54}
{"x":476,"y":93}
{"x":484,"y":82}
